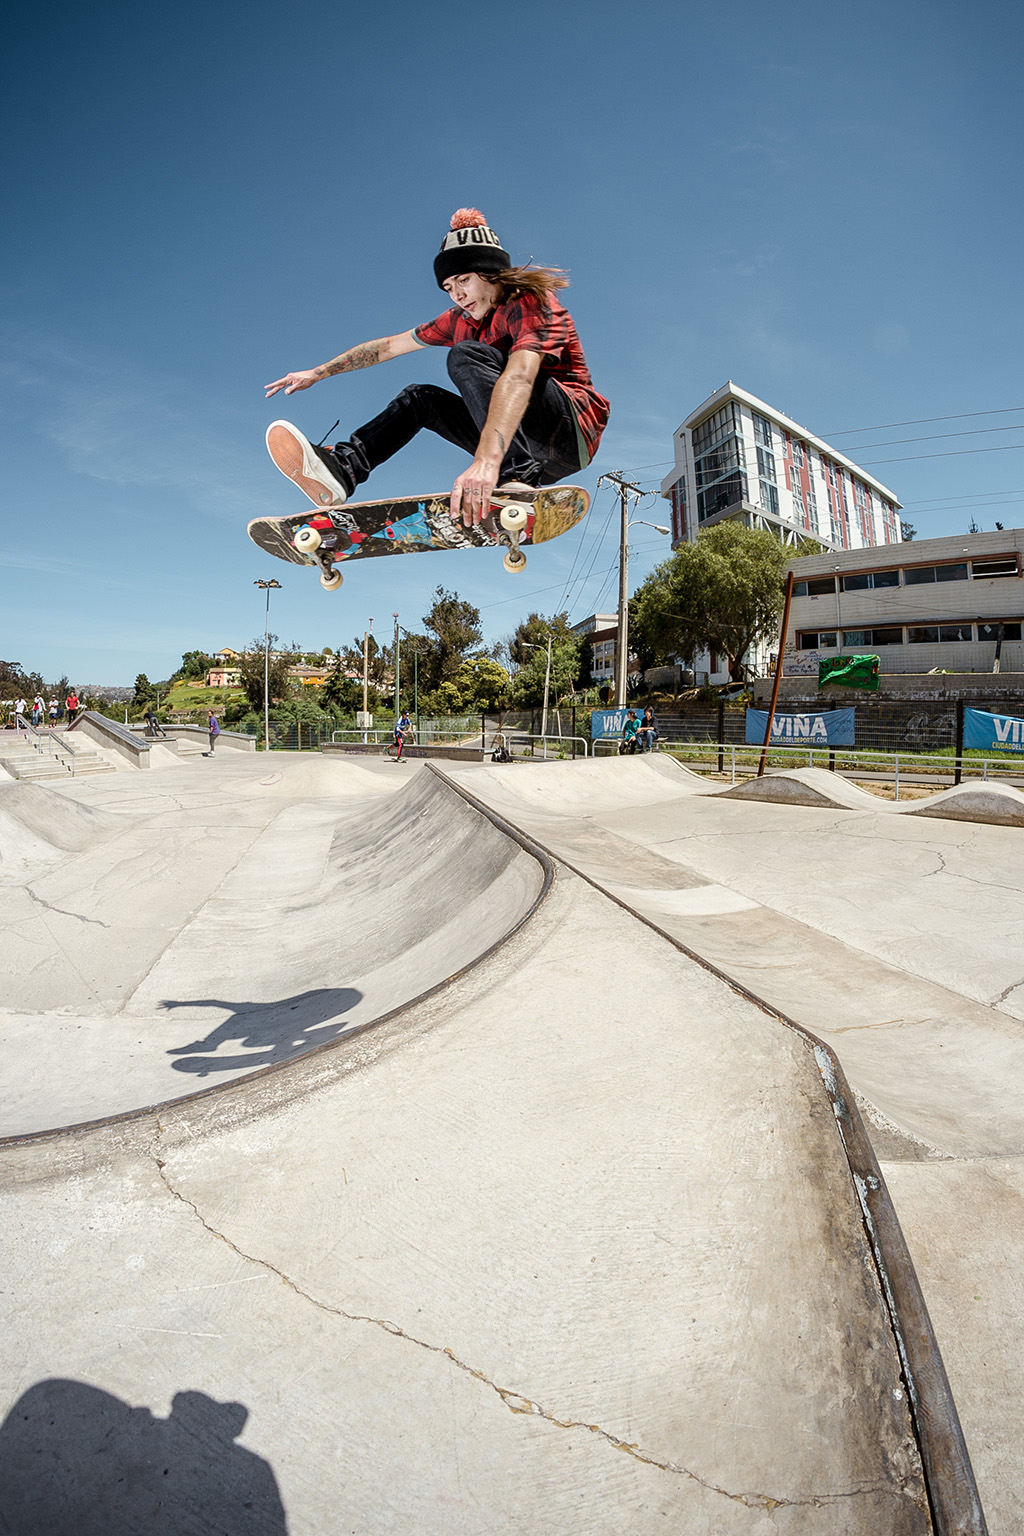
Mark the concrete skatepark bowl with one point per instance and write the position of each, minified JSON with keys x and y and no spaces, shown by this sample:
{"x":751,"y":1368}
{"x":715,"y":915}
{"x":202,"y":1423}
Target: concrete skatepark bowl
{"x":394,"y":1150}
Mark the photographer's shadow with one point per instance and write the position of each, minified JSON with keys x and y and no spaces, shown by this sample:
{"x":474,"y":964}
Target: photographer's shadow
{"x":270,"y":1032}
{"x":77,"y":1461}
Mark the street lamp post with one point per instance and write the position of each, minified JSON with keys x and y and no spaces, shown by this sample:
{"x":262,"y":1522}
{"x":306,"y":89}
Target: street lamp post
{"x":268,"y":587}
{"x":415,"y":679}
{"x":398,"y":695}
{"x":366,"y":662}
{"x":531,"y":646}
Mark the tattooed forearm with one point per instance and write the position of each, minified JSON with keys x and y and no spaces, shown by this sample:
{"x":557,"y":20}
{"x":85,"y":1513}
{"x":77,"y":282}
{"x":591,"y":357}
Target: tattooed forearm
{"x":363,"y":356}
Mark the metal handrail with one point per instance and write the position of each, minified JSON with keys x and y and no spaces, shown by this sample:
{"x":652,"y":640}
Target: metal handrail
{"x":870,"y":759}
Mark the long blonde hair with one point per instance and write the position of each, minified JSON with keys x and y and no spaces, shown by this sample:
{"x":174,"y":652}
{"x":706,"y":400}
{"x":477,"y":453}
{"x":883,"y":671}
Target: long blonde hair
{"x":540,"y":281}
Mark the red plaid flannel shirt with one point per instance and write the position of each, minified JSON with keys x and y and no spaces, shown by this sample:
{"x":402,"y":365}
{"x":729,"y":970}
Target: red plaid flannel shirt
{"x":530,"y":324}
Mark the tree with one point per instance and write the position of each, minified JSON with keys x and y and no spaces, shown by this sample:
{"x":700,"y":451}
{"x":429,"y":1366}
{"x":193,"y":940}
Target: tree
{"x":144,"y":690}
{"x":722,"y":593}
{"x":907,"y":531}
{"x":456,"y":625}
{"x":483,"y":684}
{"x":339,"y":691}
{"x":250,"y":671}
{"x":534,"y":631}
{"x":194,"y":664}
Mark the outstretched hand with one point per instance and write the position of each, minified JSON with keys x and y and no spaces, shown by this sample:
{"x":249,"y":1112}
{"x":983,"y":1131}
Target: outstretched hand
{"x":292,"y":381}
{"x":471,"y":493}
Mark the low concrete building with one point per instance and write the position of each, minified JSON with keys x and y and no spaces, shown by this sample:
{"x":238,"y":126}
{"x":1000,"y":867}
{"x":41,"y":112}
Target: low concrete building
{"x":934,"y":603}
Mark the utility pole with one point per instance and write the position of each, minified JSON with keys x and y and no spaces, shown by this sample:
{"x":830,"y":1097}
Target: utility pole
{"x":397,"y":666}
{"x":625,"y":489}
{"x":366,"y":644}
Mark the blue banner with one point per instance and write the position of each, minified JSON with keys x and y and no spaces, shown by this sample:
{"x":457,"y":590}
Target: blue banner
{"x":605,"y":723}
{"x":992,"y":733}
{"x":827,"y":728}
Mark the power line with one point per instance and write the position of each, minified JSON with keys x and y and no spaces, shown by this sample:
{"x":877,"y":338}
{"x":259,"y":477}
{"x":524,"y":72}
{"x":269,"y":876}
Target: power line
{"x":970,"y":496}
{"x":934,"y":437}
{"x":955,"y":453}
{"x":922,"y":421}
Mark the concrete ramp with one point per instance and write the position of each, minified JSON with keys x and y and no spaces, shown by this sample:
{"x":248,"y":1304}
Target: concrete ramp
{"x":569,"y":1244}
{"x":806,"y":786}
{"x":997,"y":804}
{"x":572,"y":787}
{"x":39,"y":827}
{"x":165,"y":977}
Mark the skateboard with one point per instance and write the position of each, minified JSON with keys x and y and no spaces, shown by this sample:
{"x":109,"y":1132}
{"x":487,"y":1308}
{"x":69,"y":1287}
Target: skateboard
{"x":328,"y":536}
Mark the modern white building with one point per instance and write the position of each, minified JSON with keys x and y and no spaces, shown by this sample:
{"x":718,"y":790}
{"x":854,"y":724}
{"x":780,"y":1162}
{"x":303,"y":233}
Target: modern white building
{"x":736,"y":457}
{"x":602,"y":629}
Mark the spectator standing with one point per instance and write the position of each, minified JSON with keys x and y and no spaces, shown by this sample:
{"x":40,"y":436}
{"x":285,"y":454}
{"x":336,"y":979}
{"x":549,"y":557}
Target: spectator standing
{"x":19,"y":711}
{"x":38,"y":709}
{"x":54,"y":711}
{"x":213,"y":727}
{"x":71,"y":705}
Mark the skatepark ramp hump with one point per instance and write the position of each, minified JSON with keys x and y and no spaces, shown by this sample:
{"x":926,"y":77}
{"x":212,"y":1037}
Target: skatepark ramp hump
{"x":188,"y":952}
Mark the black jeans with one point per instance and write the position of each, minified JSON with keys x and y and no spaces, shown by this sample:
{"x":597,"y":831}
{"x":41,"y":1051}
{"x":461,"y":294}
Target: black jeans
{"x":543,"y":450}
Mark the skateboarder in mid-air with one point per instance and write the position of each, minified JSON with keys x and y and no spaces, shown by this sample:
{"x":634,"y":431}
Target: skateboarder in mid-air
{"x":526,"y":409}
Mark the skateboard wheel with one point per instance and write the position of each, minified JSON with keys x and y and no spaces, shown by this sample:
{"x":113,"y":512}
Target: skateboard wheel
{"x":331,"y":580}
{"x":515,"y":561}
{"x":306,"y":539}
{"x":514,"y":519}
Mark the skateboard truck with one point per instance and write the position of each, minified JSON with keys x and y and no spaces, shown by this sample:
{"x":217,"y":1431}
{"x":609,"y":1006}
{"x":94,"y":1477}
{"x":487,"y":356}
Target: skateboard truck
{"x":321,"y":538}
{"x":514,"y":502}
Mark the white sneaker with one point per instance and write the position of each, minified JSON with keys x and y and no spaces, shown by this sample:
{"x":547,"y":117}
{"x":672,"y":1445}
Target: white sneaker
{"x":310,"y":467}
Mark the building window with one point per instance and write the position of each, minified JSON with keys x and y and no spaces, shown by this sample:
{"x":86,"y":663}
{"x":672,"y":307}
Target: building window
{"x":1000,"y":567}
{"x":724,"y":493}
{"x":923,"y":634}
{"x":762,"y":430}
{"x":798,"y":452}
{"x":818,"y":586}
{"x":816,"y":640}
{"x":867,"y":580}
{"x":769,"y":498}
{"x":992,"y":631}
{"x":873,"y":637}
{"x":766,"y":465}
{"x":721,"y":424}
{"x":922,"y":575}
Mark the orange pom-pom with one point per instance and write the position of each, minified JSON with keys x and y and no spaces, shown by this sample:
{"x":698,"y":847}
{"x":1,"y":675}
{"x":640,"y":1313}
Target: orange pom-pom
{"x":468,"y":218}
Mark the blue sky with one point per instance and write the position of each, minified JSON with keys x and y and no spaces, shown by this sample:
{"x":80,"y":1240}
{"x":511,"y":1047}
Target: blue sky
{"x":821,"y":203}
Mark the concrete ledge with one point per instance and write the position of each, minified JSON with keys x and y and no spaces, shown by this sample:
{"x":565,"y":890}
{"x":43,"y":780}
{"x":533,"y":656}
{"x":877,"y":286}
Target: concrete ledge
{"x":237,"y":740}
{"x":110,"y":734}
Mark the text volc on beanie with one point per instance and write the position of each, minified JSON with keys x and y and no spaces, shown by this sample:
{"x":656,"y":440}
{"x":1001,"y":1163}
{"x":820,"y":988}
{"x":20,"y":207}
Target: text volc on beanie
{"x":469,"y":246}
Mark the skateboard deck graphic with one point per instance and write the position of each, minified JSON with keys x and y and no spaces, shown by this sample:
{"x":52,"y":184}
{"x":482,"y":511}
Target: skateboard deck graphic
{"x":413,"y":525}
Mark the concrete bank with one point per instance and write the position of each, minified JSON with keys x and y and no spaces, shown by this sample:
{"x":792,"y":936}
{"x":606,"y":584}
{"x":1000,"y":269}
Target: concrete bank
{"x":570,"y":1246}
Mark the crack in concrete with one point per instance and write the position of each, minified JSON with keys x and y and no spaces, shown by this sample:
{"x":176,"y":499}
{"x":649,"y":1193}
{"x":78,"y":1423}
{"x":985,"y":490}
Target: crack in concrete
{"x":96,"y":922}
{"x":1004,"y":994}
{"x":515,"y":1402}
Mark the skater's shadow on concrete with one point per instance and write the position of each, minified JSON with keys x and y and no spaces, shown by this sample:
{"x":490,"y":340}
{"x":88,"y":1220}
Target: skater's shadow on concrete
{"x":270,"y":1032}
{"x":77,"y":1461}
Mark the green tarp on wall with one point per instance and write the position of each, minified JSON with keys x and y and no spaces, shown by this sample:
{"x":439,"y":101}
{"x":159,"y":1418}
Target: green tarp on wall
{"x":850,"y":672}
